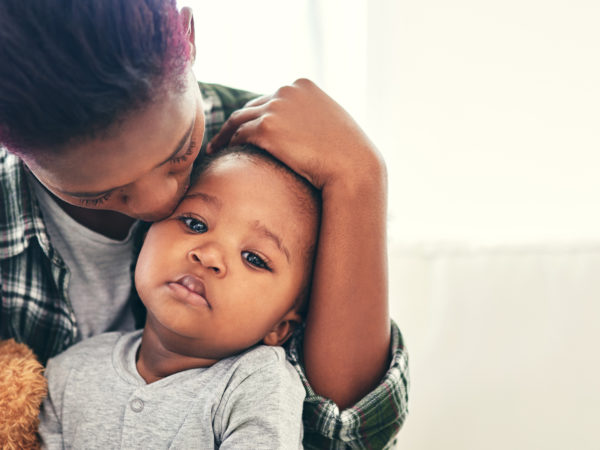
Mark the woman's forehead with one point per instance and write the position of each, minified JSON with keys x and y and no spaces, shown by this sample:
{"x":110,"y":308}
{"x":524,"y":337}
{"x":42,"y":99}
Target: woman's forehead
{"x":141,"y":142}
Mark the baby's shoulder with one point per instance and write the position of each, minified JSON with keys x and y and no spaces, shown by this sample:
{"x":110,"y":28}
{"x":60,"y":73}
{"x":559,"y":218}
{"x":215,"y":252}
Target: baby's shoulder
{"x":260,"y":357}
{"x":264,"y":363}
{"x":96,"y":348}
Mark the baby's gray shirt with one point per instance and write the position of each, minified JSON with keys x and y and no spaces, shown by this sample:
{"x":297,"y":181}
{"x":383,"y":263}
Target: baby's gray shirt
{"x":97,"y":399}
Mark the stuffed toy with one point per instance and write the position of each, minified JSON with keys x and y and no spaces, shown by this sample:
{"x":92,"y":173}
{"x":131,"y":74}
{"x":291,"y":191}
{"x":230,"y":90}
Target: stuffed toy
{"x":22,"y":389}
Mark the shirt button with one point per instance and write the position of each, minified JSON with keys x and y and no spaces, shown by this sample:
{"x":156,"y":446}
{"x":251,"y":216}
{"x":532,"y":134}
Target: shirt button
{"x":136,"y":405}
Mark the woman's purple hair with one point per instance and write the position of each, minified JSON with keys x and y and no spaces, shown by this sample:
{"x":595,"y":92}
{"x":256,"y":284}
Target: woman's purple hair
{"x":70,"y":69}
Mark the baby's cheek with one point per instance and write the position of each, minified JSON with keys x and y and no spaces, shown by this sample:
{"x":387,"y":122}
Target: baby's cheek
{"x":143,"y":272}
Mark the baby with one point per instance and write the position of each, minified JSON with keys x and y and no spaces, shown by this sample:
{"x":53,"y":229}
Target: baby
{"x":228,"y":271}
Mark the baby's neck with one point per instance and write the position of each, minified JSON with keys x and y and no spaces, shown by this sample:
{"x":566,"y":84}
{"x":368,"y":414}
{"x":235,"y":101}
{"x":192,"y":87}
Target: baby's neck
{"x":155,"y":362}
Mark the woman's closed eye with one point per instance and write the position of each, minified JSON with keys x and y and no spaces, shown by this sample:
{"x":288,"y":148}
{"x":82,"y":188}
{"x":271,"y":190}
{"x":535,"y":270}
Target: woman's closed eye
{"x":193,"y":224}
{"x":95,"y":201}
{"x":179,"y":158}
{"x":256,"y":261}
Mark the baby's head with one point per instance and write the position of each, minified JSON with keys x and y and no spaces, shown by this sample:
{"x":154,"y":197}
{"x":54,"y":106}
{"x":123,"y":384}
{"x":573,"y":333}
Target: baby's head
{"x":231,"y":267}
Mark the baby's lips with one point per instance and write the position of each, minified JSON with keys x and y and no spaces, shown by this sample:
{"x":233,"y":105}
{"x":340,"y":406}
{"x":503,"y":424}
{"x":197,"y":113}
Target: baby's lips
{"x":190,"y":289}
{"x":194,"y":284}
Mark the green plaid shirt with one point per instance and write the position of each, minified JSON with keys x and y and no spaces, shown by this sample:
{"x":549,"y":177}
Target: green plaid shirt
{"x":36,"y":309}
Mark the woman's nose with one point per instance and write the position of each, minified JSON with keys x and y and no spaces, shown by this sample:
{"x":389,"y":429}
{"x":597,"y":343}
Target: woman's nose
{"x":210,"y":256}
{"x":153,"y":197}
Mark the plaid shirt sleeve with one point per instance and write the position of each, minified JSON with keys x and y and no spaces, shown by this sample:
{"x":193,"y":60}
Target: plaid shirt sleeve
{"x":373,"y":422}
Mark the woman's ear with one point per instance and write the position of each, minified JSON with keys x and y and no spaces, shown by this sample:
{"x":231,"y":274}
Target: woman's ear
{"x":187,"y":18}
{"x":283,"y":329}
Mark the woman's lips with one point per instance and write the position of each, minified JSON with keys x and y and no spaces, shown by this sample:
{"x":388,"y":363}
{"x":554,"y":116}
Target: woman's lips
{"x":190,"y":289}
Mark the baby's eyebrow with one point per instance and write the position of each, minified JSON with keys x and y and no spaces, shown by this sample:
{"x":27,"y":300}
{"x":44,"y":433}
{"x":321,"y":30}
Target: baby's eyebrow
{"x":273,"y":237}
{"x":207,"y":198}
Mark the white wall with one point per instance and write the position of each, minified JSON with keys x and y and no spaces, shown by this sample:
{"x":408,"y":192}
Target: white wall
{"x":493,"y":112}
{"x":503,"y":345}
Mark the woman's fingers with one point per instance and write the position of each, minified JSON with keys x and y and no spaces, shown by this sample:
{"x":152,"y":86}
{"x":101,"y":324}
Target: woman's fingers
{"x":230,"y":127}
{"x":248,"y":132}
{"x":258,"y":101}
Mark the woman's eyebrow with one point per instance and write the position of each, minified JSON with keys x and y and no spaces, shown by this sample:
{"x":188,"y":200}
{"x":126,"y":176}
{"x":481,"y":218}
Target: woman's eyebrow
{"x":178,"y":148}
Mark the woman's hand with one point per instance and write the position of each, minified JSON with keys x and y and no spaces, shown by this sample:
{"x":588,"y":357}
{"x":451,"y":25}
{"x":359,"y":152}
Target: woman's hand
{"x":307,"y":130}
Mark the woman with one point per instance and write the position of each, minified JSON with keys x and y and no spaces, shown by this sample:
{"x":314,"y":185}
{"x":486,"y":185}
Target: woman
{"x":102,"y":120}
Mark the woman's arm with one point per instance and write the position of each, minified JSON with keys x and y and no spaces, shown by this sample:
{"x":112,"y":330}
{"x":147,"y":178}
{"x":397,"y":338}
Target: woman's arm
{"x":346,"y":344}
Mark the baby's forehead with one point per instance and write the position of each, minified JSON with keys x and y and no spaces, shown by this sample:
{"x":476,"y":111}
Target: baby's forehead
{"x":298,"y":188}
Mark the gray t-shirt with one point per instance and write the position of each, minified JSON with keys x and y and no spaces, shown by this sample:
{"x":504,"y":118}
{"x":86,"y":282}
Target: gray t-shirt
{"x":97,"y":399}
{"x":99,"y":269}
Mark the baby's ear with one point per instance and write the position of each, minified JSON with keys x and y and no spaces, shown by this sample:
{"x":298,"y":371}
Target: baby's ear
{"x":283,"y":329}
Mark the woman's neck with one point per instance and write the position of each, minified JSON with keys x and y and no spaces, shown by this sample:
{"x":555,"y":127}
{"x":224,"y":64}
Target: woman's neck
{"x":108,"y":223}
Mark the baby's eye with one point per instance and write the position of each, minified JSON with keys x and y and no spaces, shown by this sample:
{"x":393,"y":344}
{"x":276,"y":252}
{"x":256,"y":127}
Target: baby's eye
{"x":255,"y":260}
{"x":193,"y":224}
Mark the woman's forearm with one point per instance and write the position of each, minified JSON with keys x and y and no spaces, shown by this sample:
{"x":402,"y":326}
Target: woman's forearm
{"x":346,"y":343}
